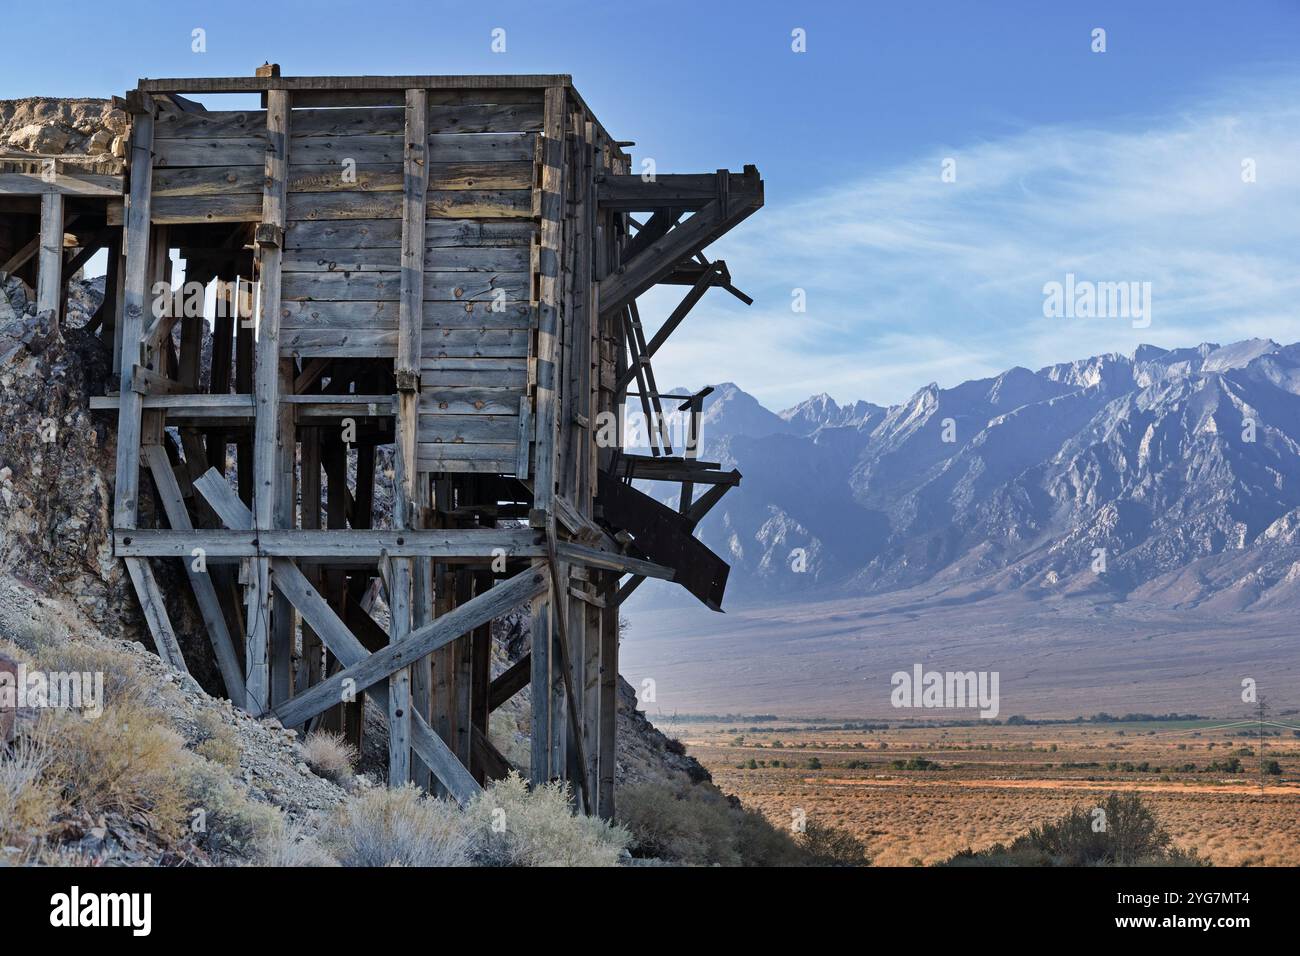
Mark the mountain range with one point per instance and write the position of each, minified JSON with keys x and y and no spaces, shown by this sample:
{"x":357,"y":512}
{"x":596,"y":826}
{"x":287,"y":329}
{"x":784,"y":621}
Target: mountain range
{"x":1172,"y":476}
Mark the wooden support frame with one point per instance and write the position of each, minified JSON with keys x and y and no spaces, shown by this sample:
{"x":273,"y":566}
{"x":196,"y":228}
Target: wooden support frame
{"x":257,"y":655}
{"x":517,"y":427}
{"x":205,"y":593}
{"x":340,"y":640}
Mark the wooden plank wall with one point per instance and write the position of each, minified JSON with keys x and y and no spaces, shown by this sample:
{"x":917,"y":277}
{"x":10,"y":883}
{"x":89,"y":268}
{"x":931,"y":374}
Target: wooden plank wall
{"x":515,"y":366}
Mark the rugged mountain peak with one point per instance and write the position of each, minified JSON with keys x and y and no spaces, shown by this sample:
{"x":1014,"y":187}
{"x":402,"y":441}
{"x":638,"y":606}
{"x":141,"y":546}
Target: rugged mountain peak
{"x":1166,"y":460}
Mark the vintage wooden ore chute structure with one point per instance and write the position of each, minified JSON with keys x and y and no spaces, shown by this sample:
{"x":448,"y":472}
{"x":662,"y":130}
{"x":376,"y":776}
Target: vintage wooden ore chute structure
{"x":448,"y":265}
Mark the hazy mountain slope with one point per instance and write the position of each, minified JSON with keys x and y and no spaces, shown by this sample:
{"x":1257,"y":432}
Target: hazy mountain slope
{"x":1181,"y":466}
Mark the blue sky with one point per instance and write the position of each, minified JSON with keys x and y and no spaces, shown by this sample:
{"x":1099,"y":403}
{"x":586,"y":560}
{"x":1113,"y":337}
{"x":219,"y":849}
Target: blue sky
{"x":1115,"y":166}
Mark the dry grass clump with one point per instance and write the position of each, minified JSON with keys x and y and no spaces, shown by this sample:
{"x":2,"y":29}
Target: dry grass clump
{"x":510,"y":825}
{"x":221,"y":818}
{"x":216,"y":740}
{"x":28,"y":803}
{"x":330,"y":756}
{"x":400,"y":827}
{"x":124,"y":680}
{"x":124,"y":762}
{"x":293,"y":846}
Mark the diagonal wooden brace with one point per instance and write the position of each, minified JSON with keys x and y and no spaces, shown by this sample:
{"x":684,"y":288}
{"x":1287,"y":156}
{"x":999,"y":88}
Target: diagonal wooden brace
{"x":342,"y":643}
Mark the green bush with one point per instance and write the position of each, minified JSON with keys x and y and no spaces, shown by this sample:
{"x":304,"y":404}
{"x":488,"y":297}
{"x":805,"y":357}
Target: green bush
{"x":1131,"y":836}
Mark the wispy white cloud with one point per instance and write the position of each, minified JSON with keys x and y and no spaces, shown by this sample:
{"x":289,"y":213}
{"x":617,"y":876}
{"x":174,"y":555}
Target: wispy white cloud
{"x":910,"y":279}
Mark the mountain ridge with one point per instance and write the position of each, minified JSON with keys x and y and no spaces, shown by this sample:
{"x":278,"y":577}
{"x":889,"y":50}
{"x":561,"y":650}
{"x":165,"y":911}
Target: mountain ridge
{"x":1167,"y":473}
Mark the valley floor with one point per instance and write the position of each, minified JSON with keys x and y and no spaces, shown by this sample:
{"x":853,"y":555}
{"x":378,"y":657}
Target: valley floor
{"x":918,"y":795}
{"x":1054,"y":657}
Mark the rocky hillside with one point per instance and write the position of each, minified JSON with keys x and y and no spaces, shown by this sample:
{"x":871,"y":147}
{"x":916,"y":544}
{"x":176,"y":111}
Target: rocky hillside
{"x":47,"y":126}
{"x":1181,"y":467}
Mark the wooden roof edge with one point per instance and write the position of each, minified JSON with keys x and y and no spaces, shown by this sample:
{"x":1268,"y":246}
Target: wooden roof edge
{"x":261,"y":84}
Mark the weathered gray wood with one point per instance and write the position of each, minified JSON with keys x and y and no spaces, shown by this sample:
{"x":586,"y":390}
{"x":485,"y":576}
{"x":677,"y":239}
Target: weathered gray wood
{"x":410,"y":322}
{"x":607,"y":759}
{"x":474,"y":84}
{"x":468,"y":429}
{"x":378,"y":286}
{"x":267,"y":393}
{"x":64,"y":183}
{"x":205,"y":594}
{"x":49,"y":276}
{"x":155,"y":613}
{"x":387,"y":233}
{"x":387,"y":259}
{"x":420,"y":643}
{"x":317,"y":614}
{"x":510,"y":682}
{"x":127,"y":480}
{"x":399,"y":682}
{"x":439,"y":204}
{"x":548,"y":306}
{"x":624,"y":563}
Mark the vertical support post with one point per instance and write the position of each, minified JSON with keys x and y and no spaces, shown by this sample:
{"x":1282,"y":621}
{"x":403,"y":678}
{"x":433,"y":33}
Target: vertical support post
{"x":406,"y":371}
{"x":415,"y":184}
{"x":127,"y":481}
{"x":547,"y":351}
{"x":399,"y":682}
{"x":49,"y":277}
{"x":422,"y":612}
{"x":608,"y":696}
{"x":548,"y":304}
{"x":270,"y":238}
{"x":540,"y":680}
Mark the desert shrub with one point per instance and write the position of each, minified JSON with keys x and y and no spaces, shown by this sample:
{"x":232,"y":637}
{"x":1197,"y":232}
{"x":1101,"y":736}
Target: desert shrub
{"x":1272,"y":767}
{"x":330,"y":756}
{"x":762,"y":844}
{"x":510,"y":825}
{"x":293,"y":846}
{"x":28,"y":803}
{"x":124,"y":762}
{"x":831,"y":846}
{"x":675,"y":746}
{"x":814,"y":764}
{"x":216,"y":740}
{"x":1132,"y":837}
{"x":507,"y":738}
{"x":683,"y":824}
{"x":124,"y":680}
{"x":222,"y":818}
{"x":396,"y":827}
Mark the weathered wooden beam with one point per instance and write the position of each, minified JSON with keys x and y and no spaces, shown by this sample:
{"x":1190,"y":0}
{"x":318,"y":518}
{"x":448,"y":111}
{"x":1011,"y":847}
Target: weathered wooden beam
{"x":49,"y":276}
{"x":510,"y":682}
{"x":267,"y":391}
{"x":127,"y":479}
{"x":612,"y":561}
{"x":205,"y":594}
{"x":548,"y":303}
{"x":607,"y":759}
{"x":155,"y":613}
{"x":565,"y":663}
{"x":419,"y":643}
{"x":316,"y":84}
{"x":415,"y":184}
{"x":454,"y":544}
{"x":64,"y":183}
{"x":658,"y":259}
